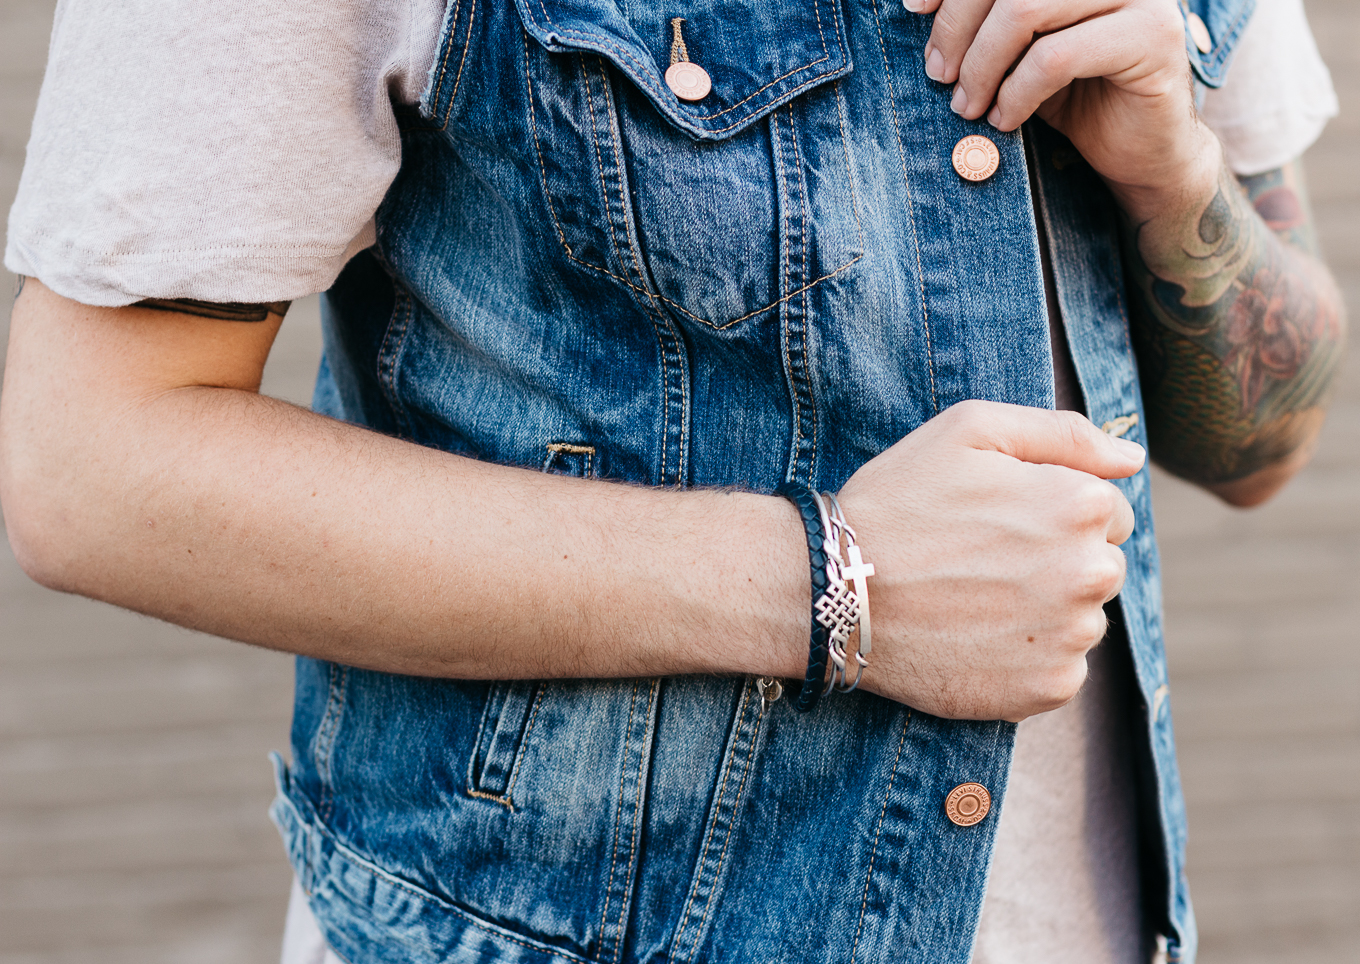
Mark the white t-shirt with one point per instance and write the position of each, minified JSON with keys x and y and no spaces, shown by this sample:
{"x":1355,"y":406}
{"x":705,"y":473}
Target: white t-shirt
{"x":239,"y":152}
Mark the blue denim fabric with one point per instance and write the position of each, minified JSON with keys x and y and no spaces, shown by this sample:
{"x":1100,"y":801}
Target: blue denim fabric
{"x":578,"y":273}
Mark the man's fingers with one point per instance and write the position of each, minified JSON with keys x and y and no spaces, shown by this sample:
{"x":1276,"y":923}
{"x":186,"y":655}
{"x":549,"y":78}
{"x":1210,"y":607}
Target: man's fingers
{"x":1114,"y":47}
{"x":1009,"y":28}
{"x":1045,"y":437}
{"x":956,"y":23}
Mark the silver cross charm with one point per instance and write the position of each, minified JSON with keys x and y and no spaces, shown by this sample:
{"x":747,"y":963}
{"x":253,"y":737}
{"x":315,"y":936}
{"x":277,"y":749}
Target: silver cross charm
{"x":858,"y":572}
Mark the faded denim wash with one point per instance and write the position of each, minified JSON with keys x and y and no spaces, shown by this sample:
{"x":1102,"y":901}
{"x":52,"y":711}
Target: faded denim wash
{"x":578,"y":273}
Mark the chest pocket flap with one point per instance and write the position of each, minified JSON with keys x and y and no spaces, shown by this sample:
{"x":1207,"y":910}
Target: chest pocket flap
{"x":758,"y":55}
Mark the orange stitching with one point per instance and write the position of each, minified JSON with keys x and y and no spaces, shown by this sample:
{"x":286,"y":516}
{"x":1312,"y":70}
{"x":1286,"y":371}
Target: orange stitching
{"x":618,"y":810}
{"x":562,"y":238}
{"x":727,"y":839}
{"x":467,"y":42}
{"x":807,"y":319}
{"x":817,"y":12}
{"x":483,"y":795}
{"x":651,"y":297}
{"x":877,"y":833}
{"x":444,"y":64}
{"x":599,"y":158}
{"x":911,"y":211}
{"x":777,"y":151}
{"x":571,"y":449}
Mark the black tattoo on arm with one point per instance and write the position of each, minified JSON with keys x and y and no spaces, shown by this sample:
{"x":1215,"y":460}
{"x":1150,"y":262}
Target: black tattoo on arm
{"x":1239,"y":329}
{"x":223,"y":311}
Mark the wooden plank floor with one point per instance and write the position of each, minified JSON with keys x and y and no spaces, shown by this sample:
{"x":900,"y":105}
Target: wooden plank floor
{"x":133,"y":780}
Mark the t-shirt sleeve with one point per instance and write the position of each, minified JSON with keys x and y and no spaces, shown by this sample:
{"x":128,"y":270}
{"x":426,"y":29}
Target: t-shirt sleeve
{"x":225,"y":152}
{"x":1278,"y":94}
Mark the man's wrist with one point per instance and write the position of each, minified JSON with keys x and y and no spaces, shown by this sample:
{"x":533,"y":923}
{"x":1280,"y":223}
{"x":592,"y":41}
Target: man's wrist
{"x":1180,"y":186}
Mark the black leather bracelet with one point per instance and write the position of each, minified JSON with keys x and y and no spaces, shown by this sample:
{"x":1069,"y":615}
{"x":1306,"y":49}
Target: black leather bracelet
{"x":806,"y":693}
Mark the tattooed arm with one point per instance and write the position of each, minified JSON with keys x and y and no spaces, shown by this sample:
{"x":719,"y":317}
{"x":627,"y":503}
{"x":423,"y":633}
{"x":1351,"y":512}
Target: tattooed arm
{"x":1240,"y":333}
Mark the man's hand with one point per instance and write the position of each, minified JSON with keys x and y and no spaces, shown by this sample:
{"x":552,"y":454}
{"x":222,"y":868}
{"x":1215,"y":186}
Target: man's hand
{"x":995,"y":540}
{"x":1111,"y":75}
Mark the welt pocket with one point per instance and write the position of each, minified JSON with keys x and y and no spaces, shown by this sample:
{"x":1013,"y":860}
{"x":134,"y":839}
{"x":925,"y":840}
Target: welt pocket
{"x":507,"y":725}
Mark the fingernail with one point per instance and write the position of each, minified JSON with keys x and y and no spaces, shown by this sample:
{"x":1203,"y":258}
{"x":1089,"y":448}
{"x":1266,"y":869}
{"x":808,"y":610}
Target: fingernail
{"x":960,"y":102}
{"x":994,"y":117}
{"x":915,"y":6}
{"x":935,"y":65}
{"x":1128,"y":449}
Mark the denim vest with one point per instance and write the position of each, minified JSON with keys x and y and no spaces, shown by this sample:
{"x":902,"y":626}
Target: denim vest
{"x":577,"y":272}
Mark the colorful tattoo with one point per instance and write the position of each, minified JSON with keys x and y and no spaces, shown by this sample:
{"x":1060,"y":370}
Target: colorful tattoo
{"x":1239,"y":329}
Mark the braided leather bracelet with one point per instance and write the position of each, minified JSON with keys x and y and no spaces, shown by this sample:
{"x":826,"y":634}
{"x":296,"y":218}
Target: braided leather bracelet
{"x":807,"y":693}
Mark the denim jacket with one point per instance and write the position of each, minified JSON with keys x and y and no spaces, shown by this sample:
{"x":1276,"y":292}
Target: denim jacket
{"x":579,"y":273}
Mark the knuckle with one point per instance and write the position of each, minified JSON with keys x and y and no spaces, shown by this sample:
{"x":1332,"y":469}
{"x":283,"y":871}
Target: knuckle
{"x":1090,"y":504}
{"x":969,"y":416}
{"x":1025,"y":12}
{"x":1102,"y":577}
{"x":1062,"y":686}
{"x":1052,"y":57}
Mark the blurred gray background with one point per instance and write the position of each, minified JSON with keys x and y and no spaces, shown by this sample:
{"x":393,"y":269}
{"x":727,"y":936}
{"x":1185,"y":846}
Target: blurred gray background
{"x":133,"y":779}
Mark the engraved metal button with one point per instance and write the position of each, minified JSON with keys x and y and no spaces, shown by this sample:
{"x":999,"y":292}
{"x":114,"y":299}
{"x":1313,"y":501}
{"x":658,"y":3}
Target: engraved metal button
{"x":967,"y":804}
{"x":1199,"y":33}
{"x":976,"y":158}
{"x":688,"y":81}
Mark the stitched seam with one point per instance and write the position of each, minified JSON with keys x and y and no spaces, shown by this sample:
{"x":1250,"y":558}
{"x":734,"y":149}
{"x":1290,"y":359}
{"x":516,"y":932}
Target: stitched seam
{"x":444,"y":64}
{"x":807,"y":321}
{"x":523,"y":742}
{"x":727,"y":838}
{"x":651,"y":297}
{"x":467,"y":43}
{"x":911,"y":211}
{"x":642,"y":78}
{"x":646,"y":81}
{"x":778,"y":152}
{"x":599,"y":158}
{"x":878,"y":831}
{"x":637,"y":814}
{"x":562,"y":238}
{"x":817,"y":12}
{"x":483,"y":795}
{"x":618,"y":814}
{"x":712,"y":827}
{"x":572,"y":449}
{"x":538,"y":147}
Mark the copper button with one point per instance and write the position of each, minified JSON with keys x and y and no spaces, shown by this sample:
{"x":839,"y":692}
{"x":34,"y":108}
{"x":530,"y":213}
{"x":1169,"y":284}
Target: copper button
{"x":976,"y":158}
{"x":1199,"y":33}
{"x":688,"y":81}
{"x":967,"y":804}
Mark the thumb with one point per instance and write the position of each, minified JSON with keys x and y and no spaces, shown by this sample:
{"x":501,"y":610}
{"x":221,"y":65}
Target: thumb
{"x":1049,"y":438}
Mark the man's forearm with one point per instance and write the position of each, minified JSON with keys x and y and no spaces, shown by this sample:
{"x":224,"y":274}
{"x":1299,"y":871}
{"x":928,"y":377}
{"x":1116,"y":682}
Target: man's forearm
{"x":237,"y":514}
{"x":1239,"y":330}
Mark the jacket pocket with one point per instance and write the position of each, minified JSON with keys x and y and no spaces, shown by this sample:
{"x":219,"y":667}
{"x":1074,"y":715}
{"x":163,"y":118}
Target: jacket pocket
{"x":507,"y":724}
{"x":715,"y":211}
